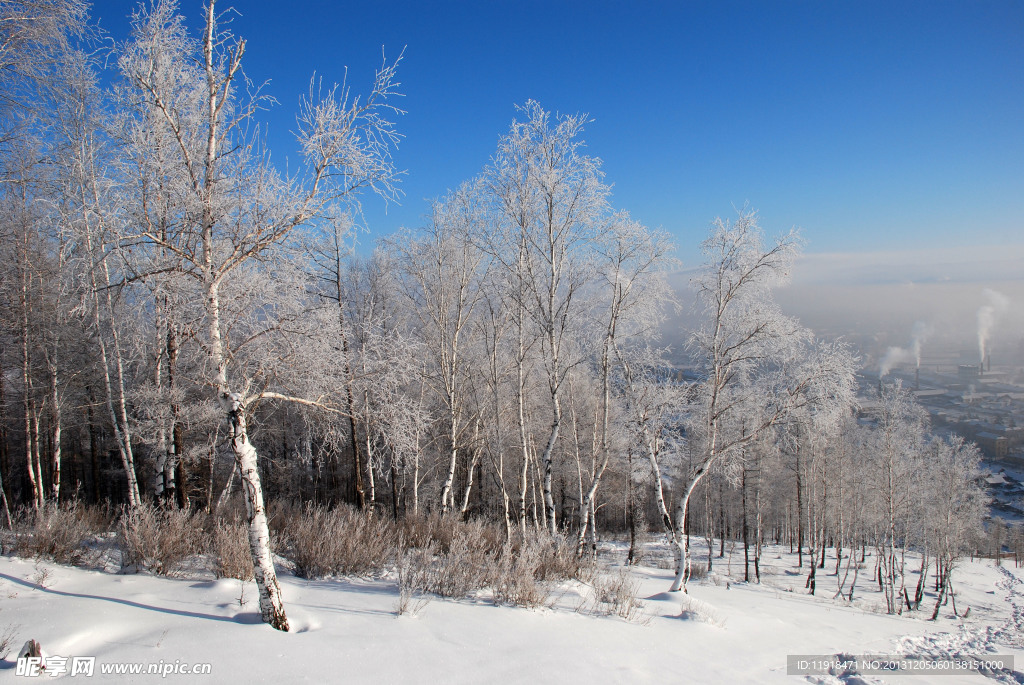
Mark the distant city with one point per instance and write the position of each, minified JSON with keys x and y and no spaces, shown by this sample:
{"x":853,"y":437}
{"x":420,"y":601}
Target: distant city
{"x":983,"y":402}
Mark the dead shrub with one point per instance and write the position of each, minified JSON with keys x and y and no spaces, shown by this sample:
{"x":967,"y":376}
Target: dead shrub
{"x":57,"y":532}
{"x":415,"y":569}
{"x":616,"y":595}
{"x":7,"y":638}
{"x":230,"y":548}
{"x":467,"y":557}
{"x":443,"y":532}
{"x":559,"y":561}
{"x":416,"y":531}
{"x":158,"y":538}
{"x":698,"y":572}
{"x":340,"y":541}
{"x":692,"y":609}
{"x":466,"y":566}
{"x":514,"y":578}
{"x":280,"y":514}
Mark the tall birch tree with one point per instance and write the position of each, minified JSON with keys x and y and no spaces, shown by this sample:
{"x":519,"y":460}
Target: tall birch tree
{"x":757,"y":364}
{"x":237,"y":211}
{"x":551,"y":199}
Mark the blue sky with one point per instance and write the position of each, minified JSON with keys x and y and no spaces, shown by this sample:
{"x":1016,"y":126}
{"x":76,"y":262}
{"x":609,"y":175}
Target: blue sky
{"x":872,"y":126}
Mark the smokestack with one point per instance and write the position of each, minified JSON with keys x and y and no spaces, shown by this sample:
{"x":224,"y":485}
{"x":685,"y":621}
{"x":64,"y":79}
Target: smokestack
{"x":988,"y":360}
{"x":917,"y":379}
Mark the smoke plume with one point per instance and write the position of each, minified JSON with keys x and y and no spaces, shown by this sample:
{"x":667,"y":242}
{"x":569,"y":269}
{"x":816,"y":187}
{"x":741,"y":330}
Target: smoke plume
{"x":894,"y":356}
{"x":919,"y":335}
{"x":901,"y":355}
{"x":987,"y":315}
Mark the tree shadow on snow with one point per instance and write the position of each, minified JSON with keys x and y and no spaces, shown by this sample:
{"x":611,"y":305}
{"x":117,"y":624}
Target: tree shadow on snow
{"x":244,"y":618}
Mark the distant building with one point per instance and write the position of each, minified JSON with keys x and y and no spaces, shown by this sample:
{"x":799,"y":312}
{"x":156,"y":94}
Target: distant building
{"x":968,"y":372}
{"x":995,"y":446}
{"x":998,"y":478}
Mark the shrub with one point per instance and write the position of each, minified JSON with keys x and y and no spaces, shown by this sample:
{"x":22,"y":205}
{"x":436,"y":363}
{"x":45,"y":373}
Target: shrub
{"x":7,"y":637}
{"x":695,"y":610}
{"x":514,"y":580}
{"x":617,"y":595}
{"x":230,"y":548}
{"x":158,"y":538}
{"x":415,"y":568}
{"x":558,"y":560}
{"x":339,"y":541}
{"x":466,"y":566}
{"x":57,"y":532}
{"x":698,"y":572}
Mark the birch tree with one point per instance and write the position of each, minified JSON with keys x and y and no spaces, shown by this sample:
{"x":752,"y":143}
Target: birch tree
{"x":631,"y":264}
{"x":551,"y":197}
{"x":237,"y":210}
{"x":757,"y":364}
{"x":443,"y":270}
{"x":955,"y":506}
{"x":894,"y":449}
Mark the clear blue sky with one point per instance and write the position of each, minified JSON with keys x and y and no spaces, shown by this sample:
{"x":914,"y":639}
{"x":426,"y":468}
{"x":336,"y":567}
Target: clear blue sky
{"x":870,"y":125}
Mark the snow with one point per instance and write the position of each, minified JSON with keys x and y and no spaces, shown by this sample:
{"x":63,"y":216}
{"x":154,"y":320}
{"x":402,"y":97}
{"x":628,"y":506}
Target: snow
{"x":347,"y":630}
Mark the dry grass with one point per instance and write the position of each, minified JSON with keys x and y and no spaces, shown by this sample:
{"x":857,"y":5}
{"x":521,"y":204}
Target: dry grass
{"x":230,"y":549}
{"x":324,"y":542}
{"x":58,"y":532}
{"x":159,"y":538}
{"x":7,"y":637}
{"x":616,"y":595}
{"x":695,"y":610}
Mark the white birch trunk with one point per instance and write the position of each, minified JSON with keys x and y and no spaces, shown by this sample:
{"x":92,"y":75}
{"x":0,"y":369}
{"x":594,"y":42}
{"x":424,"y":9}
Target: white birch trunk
{"x":271,"y":605}
{"x":464,"y":508}
{"x":55,"y":431}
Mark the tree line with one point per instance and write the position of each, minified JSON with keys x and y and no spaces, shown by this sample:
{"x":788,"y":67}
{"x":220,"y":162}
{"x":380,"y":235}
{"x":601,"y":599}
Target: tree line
{"x":183,"y":320}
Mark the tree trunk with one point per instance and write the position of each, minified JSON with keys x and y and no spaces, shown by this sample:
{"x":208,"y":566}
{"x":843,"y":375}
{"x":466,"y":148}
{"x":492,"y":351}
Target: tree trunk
{"x":682,"y":541}
{"x":474,"y":460}
{"x":5,"y":464}
{"x":631,"y":517}
{"x":524,"y":445}
{"x":35,"y":476}
{"x":547,"y":460}
{"x":229,"y":487}
{"x":799,"y":508}
{"x":453,"y":455}
{"x":55,"y":430}
{"x":745,"y":527}
{"x":271,"y":605}
{"x":119,"y":420}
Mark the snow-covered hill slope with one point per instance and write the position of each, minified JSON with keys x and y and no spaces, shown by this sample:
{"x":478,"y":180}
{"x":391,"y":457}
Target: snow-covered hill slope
{"x":347,"y":630}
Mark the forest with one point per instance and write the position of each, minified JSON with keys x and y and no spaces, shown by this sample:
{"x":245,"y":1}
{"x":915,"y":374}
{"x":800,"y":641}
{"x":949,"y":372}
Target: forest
{"x":188,"y":328}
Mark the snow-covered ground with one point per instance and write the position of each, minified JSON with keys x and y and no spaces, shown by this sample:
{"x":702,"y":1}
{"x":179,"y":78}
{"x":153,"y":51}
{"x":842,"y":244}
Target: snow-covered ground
{"x":347,"y":630}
